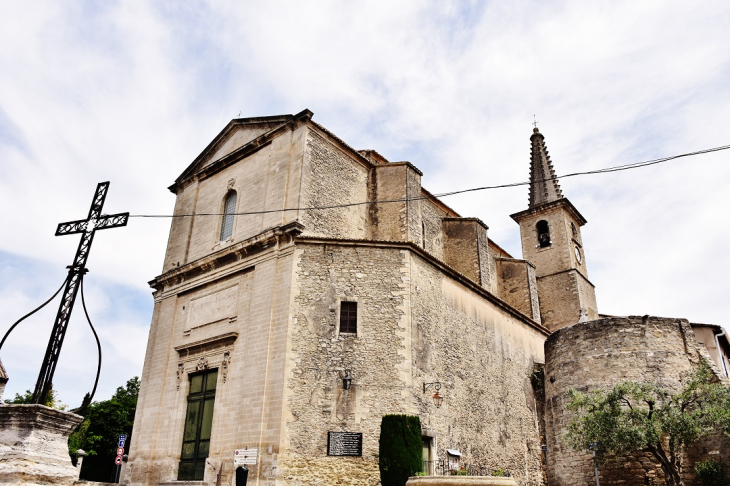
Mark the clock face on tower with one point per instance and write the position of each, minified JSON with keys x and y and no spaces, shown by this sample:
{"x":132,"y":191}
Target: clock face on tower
{"x":577,"y":254}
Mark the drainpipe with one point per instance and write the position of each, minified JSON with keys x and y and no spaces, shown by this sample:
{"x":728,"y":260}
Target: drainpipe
{"x":719,"y":351}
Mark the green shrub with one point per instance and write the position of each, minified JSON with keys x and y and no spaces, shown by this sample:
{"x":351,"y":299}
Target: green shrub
{"x":401,"y":449}
{"x":500,"y":472}
{"x":712,"y":473}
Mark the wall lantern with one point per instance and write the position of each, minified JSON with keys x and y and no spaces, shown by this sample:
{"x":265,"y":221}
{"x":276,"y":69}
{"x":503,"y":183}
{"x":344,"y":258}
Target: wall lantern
{"x":347,"y":380}
{"x":437,"y":399}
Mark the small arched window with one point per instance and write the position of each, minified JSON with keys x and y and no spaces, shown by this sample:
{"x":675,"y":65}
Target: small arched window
{"x":543,"y":234}
{"x":229,"y":209}
{"x":574,"y":230}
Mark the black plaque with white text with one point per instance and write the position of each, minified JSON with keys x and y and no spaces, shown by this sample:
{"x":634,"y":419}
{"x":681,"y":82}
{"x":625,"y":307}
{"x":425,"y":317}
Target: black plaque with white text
{"x":344,"y":443}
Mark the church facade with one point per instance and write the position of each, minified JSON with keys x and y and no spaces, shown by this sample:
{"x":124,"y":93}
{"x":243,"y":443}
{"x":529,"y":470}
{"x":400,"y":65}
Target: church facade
{"x":309,"y":288}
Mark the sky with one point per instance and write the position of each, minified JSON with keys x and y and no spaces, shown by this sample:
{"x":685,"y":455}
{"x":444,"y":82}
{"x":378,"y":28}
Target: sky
{"x":131,"y":92}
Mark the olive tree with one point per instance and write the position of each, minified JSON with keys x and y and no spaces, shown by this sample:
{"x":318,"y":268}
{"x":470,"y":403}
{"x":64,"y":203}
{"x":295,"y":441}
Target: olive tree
{"x":634,"y":417}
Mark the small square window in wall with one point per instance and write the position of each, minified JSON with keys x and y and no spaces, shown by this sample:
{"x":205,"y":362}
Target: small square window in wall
{"x":348,"y":317}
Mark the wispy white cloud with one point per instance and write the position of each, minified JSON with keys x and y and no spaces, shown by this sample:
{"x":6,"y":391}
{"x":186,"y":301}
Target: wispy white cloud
{"x":132,"y":91}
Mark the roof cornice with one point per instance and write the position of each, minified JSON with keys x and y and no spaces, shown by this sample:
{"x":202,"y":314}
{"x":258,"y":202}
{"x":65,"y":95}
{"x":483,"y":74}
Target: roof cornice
{"x":287,"y":122}
{"x":451,"y":272}
{"x":562,"y":203}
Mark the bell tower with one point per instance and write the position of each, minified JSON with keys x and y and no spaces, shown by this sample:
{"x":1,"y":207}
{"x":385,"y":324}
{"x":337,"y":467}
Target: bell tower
{"x":551,"y":240}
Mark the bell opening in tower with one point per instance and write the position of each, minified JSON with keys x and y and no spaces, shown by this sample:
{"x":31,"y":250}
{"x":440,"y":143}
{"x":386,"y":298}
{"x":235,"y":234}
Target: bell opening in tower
{"x":543,"y":234}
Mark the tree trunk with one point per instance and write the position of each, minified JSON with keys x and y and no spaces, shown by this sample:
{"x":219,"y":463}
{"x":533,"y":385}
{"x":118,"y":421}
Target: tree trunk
{"x":670,"y":468}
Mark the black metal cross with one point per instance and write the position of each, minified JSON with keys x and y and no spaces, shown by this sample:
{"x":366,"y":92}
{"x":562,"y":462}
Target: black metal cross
{"x":87,"y":227}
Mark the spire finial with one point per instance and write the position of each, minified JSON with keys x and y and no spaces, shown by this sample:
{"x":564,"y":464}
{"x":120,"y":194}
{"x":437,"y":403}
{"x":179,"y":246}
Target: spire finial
{"x":544,"y":185}
{"x":534,"y":123}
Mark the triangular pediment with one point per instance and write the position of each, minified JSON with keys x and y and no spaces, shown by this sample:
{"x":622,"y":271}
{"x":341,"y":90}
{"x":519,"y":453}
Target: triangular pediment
{"x":237,"y":134}
{"x":237,"y":137}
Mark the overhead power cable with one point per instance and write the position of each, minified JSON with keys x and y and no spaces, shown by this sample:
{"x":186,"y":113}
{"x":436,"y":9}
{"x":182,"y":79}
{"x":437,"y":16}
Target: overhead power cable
{"x":617,"y":168}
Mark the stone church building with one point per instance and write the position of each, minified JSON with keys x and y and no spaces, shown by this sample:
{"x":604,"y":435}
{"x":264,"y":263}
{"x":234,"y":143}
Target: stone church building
{"x":309,"y":288}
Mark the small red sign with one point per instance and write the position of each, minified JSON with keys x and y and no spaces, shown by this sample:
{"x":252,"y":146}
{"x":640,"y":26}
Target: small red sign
{"x":118,"y":460}
{"x":120,"y":451}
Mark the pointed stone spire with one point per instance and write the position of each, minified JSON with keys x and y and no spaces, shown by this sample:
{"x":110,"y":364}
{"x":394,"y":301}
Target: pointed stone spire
{"x":544,"y":185}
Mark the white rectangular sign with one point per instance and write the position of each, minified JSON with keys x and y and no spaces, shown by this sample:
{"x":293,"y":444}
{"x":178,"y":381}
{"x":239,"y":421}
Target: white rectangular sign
{"x":245,"y":456}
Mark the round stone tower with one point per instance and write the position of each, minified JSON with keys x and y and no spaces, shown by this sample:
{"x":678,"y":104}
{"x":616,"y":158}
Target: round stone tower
{"x":601,"y":353}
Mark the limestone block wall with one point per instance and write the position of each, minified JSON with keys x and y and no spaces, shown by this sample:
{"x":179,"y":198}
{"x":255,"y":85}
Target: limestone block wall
{"x":483,"y":356}
{"x":331,"y":176}
{"x":235,"y":320}
{"x":601,"y":353}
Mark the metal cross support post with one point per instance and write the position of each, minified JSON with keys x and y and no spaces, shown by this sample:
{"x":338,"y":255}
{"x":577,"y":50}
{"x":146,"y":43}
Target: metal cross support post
{"x":87,"y":227}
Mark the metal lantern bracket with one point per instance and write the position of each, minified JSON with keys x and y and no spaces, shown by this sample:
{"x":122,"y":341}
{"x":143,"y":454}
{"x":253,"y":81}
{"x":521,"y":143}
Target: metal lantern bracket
{"x":436,"y":386}
{"x":437,"y":399}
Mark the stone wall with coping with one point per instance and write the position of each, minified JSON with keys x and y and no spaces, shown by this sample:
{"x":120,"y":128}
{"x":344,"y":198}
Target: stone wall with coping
{"x":483,"y":357}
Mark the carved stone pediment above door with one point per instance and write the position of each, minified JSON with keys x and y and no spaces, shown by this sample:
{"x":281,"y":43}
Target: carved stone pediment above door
{"x":213,"y":352}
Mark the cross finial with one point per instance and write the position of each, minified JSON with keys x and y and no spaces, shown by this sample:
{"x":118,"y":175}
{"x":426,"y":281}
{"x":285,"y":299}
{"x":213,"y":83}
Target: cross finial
{"x":240,"y":113}
{"x":534,"y":121}
{"x":94,"y":222}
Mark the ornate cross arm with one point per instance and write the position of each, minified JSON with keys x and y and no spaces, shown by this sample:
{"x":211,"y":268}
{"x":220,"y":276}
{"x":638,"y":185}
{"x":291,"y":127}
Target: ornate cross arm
{"x":71,"y":227}
{"x":82,"y":225}
{"x":112,"y":221}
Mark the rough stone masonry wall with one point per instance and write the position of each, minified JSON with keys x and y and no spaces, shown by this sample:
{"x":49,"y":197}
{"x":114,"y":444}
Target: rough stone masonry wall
{"x":517,"y":286}
{"x":315,"y":402}
{"x":332,"y":177}
{"x":434,"y":235}
{"x":413,"y":193}
{"x":483,"y":357}
{"x":390,"y":220}
{"x":601,"y":353}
